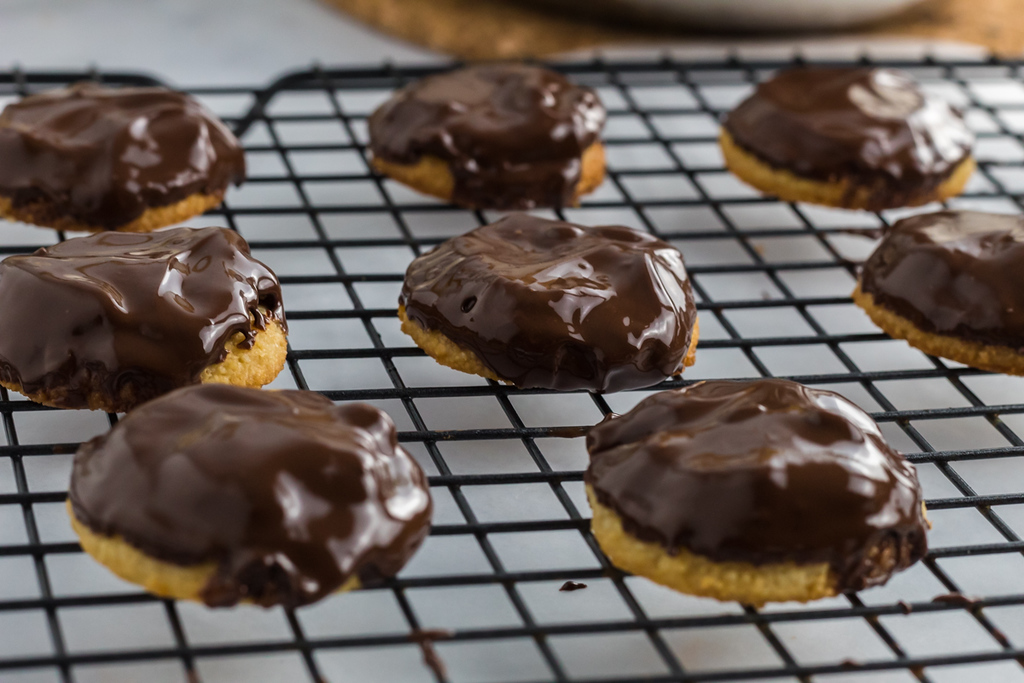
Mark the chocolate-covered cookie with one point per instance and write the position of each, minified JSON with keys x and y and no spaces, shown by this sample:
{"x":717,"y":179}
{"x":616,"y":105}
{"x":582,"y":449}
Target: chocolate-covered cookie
{"x":94,"y":158}
{"x":114,"y":319}
{"x":493,"y":136}
{"x":856,"y":137}
{"x":753,"y":491}
{"x":542,"y":303}
{"x":226,"y":495}
{"x":952,"y":284}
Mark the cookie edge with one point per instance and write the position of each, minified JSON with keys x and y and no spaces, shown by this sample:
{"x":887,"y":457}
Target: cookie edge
{"x":991,"y":357}
{"x":790,"y":187}
{"x":446,"y":352}
{"x":164,"y":579}
{"x":44,"y":215}
{"x":237,"y":369}
{"x":432,"y":176}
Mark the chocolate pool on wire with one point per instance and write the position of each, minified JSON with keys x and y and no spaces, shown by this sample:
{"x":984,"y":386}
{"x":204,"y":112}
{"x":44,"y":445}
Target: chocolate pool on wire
{"x":481,"y":602}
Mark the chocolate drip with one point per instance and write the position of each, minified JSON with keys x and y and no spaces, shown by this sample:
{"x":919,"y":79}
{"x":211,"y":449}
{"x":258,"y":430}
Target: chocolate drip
{"x":761,"y":472}
{"x":558,"y":305}
{"x":958,"y":273}
{"x":103,"y":155}
{"x":153,"y":310}
{"x":874,"y":126}
{"x":511,"y":134}
{"x":288,"y":493}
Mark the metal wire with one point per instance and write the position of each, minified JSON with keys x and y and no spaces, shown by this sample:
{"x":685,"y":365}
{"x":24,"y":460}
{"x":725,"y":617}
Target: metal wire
{"x":648,"y":101}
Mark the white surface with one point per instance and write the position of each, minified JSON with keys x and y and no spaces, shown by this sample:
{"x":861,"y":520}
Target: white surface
{"x":190,"y":42}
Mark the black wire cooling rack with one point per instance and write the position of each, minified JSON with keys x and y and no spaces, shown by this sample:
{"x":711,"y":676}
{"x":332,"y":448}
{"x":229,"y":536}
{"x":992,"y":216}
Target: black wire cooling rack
{"x":481,"y":601}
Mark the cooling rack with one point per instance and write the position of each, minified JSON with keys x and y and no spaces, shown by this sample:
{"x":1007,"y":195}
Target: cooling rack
{"x":482,"y":599}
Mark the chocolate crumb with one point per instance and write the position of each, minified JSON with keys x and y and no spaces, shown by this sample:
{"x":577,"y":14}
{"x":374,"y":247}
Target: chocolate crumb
{"x":904,"y":607}
{"x":425,"y":639}
{"x":850,"y":664}
{"x":957,"y":599}
{"x":570,"y":586}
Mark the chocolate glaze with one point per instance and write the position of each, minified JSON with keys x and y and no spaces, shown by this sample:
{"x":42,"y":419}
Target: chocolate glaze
{"x":762,"y":472}
{"x":288,"y":493}
{"x":512,"y":134}
{"x":874,"y":126}
{"x":104,"y":155}
{"x":555,"y":305}
{"x":152,"y":310}
{"x":958,"y":273}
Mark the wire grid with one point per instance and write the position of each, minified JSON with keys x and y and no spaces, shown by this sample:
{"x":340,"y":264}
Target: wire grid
{"x":506,"y":465}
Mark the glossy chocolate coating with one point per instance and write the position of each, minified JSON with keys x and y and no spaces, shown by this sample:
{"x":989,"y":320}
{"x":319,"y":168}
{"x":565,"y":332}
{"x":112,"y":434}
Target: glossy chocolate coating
{"x":153,"y":310}
{"x":103,"y":155}
{"x":874,"y":126}
{"x":511,"y":134}
{"x":958,"y":273}
{"x":288,"y":493}
{"x":761,"y":472}
{"x":555,"y":305}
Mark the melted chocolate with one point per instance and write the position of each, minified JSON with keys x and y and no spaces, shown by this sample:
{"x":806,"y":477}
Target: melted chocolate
{"x":874,"y":126}
{"x":151,"y":310}
{"x":288,"y":493}
{"x":103,"y":155}
{"x":761,"y":472}
{"x":512,"y":134}
{"x":958,"y":273}
{"x":555,"y":305}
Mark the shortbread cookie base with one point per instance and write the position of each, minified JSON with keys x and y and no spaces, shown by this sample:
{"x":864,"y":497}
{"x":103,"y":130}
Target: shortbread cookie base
{"x":843,"y":194}
{"x":44,"y":215}
{"x":448,"y":353}
{"x":976,"y":354}
{"x":742,"y":582}
{"x":693,"y":574}
{"x":253,"y":367}
{"x":432,"y":176}
{"x":167,"y":580}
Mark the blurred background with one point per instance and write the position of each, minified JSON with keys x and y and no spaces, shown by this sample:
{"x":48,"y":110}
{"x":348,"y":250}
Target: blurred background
{"x":206,"y":42}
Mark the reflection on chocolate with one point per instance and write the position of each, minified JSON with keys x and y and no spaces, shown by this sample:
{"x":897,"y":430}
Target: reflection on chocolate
{"x":958,"y":273}
{"x":290,"y":494}
{"x":558,"y":305}
{"x":762,"y":472}
{"x":153,"y":310}
{"x":874,"y":126}
{"x":511,"y":134}
{"x":104,"y":155}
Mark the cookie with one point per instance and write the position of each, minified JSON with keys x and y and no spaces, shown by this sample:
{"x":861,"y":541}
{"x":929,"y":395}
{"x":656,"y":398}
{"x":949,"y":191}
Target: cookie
{"x":111,"y":320}
{"x":548,"y":304}
{"x":93,"y":158}
{"x":951,"y":283}
{"x":494,"y":136}
{"x":757,"y":491}
{"x":854,"y":138}
{"x":223,"y":495}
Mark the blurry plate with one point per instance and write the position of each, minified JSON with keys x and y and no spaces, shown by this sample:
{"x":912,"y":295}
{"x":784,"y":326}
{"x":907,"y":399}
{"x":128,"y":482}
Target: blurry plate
{"x":745,"y":15}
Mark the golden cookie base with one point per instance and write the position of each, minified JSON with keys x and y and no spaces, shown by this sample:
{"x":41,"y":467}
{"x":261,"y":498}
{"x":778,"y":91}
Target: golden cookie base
{"x":164,"y":579}
{"x":976,"y":354}
{"x":842,"y":194}
{"x":448,"y":353}
{"x":253,"y":368}
{"x":42,"y":214}
{"x":693,"y":574}
{"x":432,"y":176}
